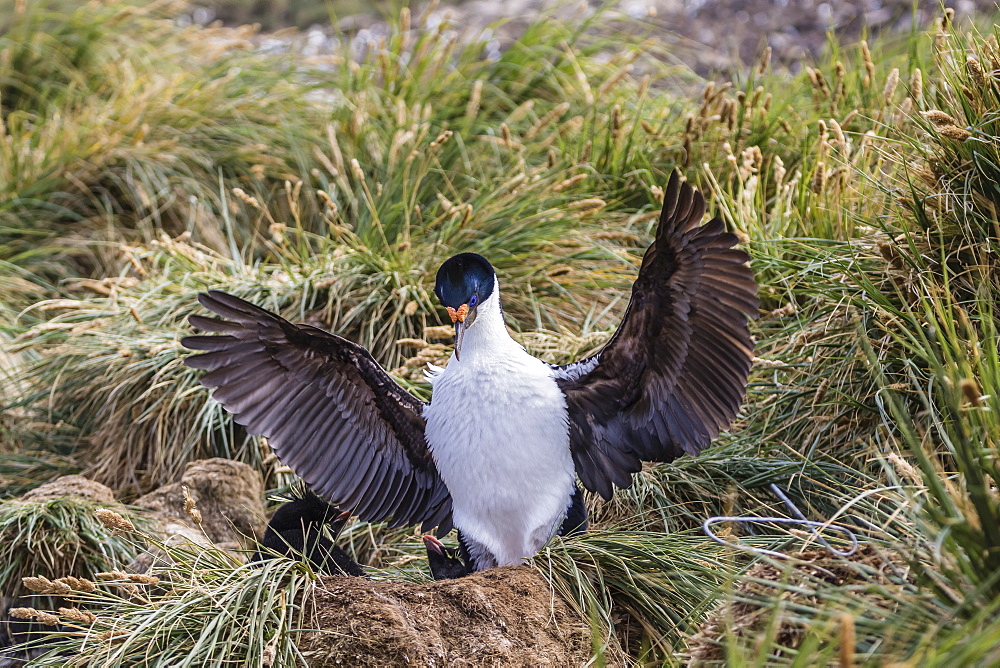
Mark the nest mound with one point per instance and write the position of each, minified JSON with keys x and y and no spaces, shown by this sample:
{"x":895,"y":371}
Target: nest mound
{"x":502,"y":617}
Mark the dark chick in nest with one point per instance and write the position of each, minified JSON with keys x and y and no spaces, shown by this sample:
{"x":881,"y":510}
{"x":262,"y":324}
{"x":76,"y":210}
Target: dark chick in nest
{"x":298,"y":529}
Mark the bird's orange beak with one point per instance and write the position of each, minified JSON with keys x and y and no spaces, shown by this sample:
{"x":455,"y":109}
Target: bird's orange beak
{"x":459,"y":314}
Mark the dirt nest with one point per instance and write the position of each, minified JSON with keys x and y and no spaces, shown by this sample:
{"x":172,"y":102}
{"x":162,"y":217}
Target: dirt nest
{"x":71,"y":485}
{"x":750,"y":608}
{"x":228,"y":494}
{"x":502,"y":617}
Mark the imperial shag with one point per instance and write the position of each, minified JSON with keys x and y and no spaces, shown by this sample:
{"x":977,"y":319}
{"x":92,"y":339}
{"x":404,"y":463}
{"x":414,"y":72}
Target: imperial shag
{"x":498,"y":450}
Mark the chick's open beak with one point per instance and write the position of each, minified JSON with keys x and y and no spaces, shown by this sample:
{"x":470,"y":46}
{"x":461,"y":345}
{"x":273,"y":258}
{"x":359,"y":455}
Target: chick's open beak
{"x":433,"y":544}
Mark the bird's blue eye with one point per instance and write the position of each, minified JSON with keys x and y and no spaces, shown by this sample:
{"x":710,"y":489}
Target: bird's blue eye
{"x":473,"y":301}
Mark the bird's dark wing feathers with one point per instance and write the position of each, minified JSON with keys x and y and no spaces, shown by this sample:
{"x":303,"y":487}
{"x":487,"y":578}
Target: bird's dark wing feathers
{"x":328,"y":409}
{"x":675,"y":372}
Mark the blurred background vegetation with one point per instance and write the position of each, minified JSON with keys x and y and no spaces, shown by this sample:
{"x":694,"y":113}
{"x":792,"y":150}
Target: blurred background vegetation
{"x":145,"y":158}
{"x":284,"y":13}
{"x":270,"y":14}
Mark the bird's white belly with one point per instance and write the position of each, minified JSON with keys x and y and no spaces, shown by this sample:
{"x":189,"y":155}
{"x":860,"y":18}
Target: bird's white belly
{"x":498,"y":434}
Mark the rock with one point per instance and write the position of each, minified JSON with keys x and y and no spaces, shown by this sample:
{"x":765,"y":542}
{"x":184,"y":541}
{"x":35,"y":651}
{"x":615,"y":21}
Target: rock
{"x":71,"y":485}
{"x":172,"y":533}
{"x":501,"y":617}
{"x":229,"y":495}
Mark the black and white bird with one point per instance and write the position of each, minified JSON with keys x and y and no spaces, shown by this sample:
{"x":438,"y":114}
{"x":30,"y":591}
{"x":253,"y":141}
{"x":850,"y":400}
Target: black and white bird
{"x":497,"y":451}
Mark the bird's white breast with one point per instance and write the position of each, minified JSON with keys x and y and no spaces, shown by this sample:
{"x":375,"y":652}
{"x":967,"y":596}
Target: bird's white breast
{"x":497,"y":429}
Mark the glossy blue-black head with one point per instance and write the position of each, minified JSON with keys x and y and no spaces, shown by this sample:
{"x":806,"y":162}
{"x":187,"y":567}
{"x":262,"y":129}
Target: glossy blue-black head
{"x":464,"y":280}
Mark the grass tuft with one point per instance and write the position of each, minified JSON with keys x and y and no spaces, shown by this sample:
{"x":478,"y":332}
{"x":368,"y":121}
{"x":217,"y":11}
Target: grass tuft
{"x":55,"y":538}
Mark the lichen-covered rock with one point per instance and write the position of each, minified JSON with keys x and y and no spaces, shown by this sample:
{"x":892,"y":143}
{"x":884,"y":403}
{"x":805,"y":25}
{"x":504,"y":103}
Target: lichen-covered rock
{"x":71,"y":485}
{"x":501,"y":617}
{"x":228,"y":494}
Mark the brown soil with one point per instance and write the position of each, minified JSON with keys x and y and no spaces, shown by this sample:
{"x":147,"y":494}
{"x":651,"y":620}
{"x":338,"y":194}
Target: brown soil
{"x":229,"y":495}
{"x":71,"y":485}
{"x":501,"y":617}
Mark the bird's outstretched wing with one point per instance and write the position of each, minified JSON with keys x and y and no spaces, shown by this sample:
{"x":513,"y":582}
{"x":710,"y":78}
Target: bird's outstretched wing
{"x":327,"y":408}
{"x":675,"y":372}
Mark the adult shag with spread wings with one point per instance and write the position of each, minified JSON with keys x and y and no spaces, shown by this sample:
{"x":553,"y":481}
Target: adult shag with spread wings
{"x":497,"y":451}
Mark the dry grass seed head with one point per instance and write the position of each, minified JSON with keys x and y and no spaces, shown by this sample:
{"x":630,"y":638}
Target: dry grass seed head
{"x":190,"y":506}
{"x":764,"y":62}
{"x":954,"y":132}
{"x":78,"y":584}
{"x":441,"y":140}
{"x":866,"y":56}
{"x":917,"y":86}
{"x":41,"y":617}
{"x":114,"y":521}
{"x":569,"y":183}
{"x":891,"y":82}
{"x":904,"y":469}
{"x":840,"y":78}
{"x":819,"y":83}
{"x":78,"y":615}
{"x":472,"y":108}
{"x":22,"y":613}
{"x":43,"y":585}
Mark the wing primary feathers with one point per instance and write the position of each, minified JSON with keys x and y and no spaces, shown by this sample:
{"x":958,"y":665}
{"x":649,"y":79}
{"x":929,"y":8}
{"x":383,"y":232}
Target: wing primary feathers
{"x":216,"y":325}
{"x":675,"y":371}
{"x":327,"y":408}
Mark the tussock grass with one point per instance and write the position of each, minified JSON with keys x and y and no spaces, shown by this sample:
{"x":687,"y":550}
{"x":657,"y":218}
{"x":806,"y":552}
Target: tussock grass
{"x":645,"y":590}
{"x":55,"y":538}
{"x":883,"y":325}
{"x":118,"y":124}
{"x":865,"y":188}
{"x":184,"y":614}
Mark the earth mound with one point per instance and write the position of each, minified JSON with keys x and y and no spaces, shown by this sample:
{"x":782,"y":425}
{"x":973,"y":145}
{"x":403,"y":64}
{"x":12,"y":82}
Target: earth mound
{"x":502,"y":617}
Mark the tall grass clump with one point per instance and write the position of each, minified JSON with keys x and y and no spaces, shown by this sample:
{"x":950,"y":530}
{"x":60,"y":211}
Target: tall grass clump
{"x":889,"y":366}
{"x":644,"y":590}
{"x":200,"y":608}
{"x":55,"y":538}
{"x":116,"y":123}
{"x":934,"y":343}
